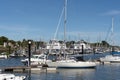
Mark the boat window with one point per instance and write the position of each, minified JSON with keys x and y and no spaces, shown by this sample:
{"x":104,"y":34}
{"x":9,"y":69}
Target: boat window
{"x":34,"y":56}
{"x":11,"y":78}
{"x":41,"y":57}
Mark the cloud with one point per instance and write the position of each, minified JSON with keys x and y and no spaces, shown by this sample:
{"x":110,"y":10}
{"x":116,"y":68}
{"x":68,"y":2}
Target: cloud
{"x":111,"y":13}
{"x":75,"y":35}
{"x":18,"y":32}
{"x":18,"y":28}
{"x":13,"y":28}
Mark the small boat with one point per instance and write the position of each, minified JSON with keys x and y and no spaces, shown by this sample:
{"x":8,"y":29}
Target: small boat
{"x":3,"y":56}
{"x":111,"y":58}
{"x":36,"y":59}
{"x":11,"y":77}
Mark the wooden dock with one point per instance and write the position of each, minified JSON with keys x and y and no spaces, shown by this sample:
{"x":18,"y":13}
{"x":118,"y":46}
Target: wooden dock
{"x":25,"y":68}
{"x":15,"y":68}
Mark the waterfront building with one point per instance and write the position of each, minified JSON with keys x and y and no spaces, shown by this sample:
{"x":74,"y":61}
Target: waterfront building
{"x":55,"y":45}
{"x":78,"y":46}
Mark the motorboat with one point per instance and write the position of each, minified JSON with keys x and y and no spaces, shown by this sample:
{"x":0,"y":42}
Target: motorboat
{"x":3,"y":56}
{"x":36,"y":59}
{"x":55,"y":45}
{"x":110,"y":58}
{"x":11,"y":77}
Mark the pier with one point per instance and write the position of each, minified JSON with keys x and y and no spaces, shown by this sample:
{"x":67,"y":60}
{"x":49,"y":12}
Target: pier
{"x":25,"y":68}
{"x":15,"y":68}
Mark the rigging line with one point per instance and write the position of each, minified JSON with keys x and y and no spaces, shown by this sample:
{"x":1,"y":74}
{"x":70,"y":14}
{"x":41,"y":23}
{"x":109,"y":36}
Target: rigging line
{"x":110,"y":32}
{"x":58,"y":24}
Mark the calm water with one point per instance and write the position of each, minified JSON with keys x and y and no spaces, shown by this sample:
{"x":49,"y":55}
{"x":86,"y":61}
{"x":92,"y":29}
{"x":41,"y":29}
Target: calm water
{"x":101,"y":72}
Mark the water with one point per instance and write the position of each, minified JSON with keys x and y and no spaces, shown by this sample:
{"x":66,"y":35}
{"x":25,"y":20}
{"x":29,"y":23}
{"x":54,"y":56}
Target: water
{"x":101,"y":72}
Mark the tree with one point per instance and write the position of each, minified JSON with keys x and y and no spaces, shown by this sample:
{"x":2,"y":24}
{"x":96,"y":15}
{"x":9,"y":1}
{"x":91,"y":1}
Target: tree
{"x":3,"y":39}
{"x":24,"y":43}
{"x":12,"y":42}
{"x":104,"y":43}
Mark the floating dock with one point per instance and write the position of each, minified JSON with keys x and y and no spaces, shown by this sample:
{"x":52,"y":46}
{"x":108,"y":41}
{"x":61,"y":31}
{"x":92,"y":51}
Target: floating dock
{"x":14,"y":68}
{"x":25,"y":68}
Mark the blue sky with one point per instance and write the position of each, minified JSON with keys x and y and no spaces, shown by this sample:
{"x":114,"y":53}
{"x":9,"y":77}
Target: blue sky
{"x":38,"y":19}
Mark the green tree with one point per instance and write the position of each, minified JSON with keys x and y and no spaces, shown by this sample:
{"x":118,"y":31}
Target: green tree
{"x":3,"y":39}
{"x":105,"y":43}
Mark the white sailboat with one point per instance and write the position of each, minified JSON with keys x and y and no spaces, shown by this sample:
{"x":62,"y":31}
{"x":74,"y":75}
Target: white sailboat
{"x":111,"y":58}
{"x":69,"y":63}
{"x":66,"y":62}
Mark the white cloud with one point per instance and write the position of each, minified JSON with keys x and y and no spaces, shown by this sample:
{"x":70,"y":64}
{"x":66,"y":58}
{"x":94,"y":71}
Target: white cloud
{"x":19,"y":28}
{"x":18,"y":32}
{"x":93,"y":36}
{"x":112,"y":13}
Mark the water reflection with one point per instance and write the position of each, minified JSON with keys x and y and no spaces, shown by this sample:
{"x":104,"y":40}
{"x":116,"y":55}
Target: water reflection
{"x":64,"y":74}
{"x":108,"y":72}
{"x":77,"y":74}
{"x":102,"y":72}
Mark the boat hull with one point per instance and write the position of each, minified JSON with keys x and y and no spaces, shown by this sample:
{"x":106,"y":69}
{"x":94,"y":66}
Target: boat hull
{"x":80,"y":64}
{"x":110,"y":58}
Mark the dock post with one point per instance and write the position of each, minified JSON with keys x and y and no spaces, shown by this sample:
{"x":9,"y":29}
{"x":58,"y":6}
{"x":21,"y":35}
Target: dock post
{"x":82,"y":49}
{"x":82,"y":52}
{"x":29,"y":52}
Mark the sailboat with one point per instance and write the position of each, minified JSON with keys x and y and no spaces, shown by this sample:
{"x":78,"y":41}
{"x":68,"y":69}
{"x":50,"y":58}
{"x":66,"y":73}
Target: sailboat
{"x":111,"y":58}
{"x":65,"y":62}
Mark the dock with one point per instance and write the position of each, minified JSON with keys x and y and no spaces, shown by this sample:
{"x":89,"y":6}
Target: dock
{"x":15,"y":68}
{"x":25,"y":68}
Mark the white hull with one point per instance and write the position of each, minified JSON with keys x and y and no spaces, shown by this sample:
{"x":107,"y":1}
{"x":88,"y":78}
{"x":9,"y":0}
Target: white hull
{"x":71,"y":64}
{"x":3,"y":56}
{"x":11,"y":77}
{"x":36,"y":59}
{"x":110,"y":58}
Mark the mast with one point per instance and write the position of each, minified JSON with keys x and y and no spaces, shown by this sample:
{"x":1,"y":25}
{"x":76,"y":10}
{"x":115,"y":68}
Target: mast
{"x":112,"y":30}
{"x":112,"y":34}
{"x":65,"y":21}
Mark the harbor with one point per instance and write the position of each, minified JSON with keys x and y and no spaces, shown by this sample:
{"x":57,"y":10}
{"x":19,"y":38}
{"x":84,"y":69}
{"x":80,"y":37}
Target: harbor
{"x":59,"y":40}
{"x":101,"y":70}
{"x":42,"y":64}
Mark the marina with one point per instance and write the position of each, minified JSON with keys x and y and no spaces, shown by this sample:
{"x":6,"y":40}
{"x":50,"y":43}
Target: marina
{"x":100,"y":71}
{"x":79,"y":47}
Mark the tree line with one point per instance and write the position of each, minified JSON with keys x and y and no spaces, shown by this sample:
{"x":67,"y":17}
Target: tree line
{"x":24,"y":43}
